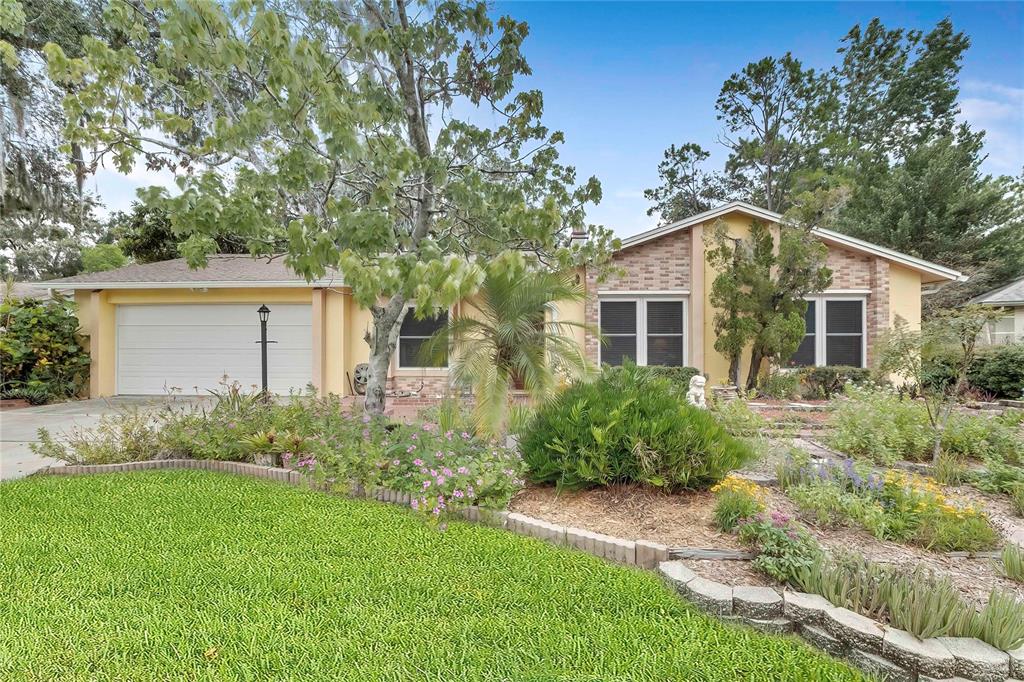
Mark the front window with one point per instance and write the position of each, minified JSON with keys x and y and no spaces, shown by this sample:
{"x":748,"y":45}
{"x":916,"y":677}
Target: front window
{"x":412,"y":335}
{"x":1002,"y":330}
{"x":648,"y":332}
{"x":834,"y":333}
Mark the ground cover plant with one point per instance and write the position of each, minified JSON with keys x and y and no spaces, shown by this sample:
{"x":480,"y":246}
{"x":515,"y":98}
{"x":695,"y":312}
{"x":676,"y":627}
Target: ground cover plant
{"x":196,"y":575}
{"x":628,"y":426}
{"x":893,"y":505}
{"x":884,"y":426}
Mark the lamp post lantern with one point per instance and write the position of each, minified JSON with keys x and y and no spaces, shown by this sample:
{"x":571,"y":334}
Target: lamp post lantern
{"x":264,"y":313}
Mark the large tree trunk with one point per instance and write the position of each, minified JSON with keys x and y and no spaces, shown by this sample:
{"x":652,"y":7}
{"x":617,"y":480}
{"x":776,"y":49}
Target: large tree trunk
{"x":734,"y":370}
{"x":387,"y":320}
{"x":756,"y":357}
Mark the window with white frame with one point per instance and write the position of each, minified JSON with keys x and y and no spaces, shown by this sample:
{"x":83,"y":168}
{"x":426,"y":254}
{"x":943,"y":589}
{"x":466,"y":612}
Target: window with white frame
{"x":1002,"y":330}
{"x":835,"y":333}
{"x":649,"y":331}
{"x":413,"y":334}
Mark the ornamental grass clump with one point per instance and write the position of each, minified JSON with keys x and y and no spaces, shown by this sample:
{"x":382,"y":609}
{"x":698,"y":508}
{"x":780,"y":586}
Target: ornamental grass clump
{"x":1013,"y":562}
{"x":736,"y":500}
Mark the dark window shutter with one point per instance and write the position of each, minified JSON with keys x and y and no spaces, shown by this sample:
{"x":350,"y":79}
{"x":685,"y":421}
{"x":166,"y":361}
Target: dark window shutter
{"x":618,"y":327}
{"x":413,"y":333}
{"x":844,"y":333}
{"x":665,"y":333}
{"x":804,"y":355}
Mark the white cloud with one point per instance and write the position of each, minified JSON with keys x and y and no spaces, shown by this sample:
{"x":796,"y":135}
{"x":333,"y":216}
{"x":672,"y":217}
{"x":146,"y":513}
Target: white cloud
{"x":1004,"y":91}
{"x":976,"y":110}
{"x":998,"y":110}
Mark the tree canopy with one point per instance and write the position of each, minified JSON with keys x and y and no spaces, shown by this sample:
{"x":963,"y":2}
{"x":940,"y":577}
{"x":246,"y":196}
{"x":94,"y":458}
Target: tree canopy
{"x":346,"y":130}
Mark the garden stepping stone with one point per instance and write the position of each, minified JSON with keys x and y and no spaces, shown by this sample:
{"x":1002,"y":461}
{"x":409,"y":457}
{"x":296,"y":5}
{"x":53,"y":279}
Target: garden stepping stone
{"x":927,"y":656}
{"x":804,"y":607}
{"x":860,"y":631}
{"x":709,"y":596}
{"x":757,"y":603}
{"x":977,"y":660}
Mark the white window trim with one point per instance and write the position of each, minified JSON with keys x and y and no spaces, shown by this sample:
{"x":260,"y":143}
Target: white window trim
{"x":398,"y":355}
{"x":820,"y":337}
{"x":641,"y":323}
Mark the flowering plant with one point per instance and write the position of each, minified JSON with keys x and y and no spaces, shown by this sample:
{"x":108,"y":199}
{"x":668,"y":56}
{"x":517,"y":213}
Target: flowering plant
{"x":736,"y":499}
{"x":446,"y":470}
{"x":785,"y":549}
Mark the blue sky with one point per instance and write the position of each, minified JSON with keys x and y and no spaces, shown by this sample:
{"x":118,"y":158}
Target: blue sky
{"x":624,"y":80}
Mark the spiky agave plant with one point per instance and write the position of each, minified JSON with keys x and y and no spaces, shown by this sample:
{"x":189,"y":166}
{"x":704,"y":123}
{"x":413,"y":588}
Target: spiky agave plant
{"x":510,"y":336}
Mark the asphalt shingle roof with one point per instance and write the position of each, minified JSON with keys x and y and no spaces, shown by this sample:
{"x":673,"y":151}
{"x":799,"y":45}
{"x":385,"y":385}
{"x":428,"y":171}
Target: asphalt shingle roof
{"x":219,"y":269}
{"x":1011,"y":293}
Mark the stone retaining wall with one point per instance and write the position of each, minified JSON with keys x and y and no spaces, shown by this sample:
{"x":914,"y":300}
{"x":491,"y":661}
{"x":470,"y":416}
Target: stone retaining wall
{"x":875,"y":648}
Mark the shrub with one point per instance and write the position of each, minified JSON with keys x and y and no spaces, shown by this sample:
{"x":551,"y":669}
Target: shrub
{"x":679,"y":376}
{"x":736,"y":499}
{"x":128,"y":436}
{"x":739,"y":420}
{"x":779,"y":385}
{"x":824,"y":383}
{"x":785,"y":550}
{"x":444,"y":470}
{"x":884,"y":427}
{"x":999,"y":370}
{"x":1013,"y":562}
{"x":41,"y":353}
{"x":628,"y":426}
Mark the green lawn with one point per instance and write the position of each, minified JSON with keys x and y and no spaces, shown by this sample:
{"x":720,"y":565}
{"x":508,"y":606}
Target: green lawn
{"x":195,"y":575}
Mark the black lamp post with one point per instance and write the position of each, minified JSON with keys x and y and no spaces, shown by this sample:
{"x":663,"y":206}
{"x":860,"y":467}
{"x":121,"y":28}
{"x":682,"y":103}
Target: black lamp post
{"x":264,"y":313}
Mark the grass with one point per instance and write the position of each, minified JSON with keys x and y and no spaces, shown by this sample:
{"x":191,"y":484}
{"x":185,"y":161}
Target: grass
{"x":196,"y":575}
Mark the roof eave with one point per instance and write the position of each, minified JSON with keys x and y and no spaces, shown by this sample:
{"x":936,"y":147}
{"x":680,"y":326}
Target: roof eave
{"x":218,"y":284}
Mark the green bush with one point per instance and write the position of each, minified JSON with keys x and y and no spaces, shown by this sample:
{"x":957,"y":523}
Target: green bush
{"x":824,"y":383}
{"x":885,"y":427}
{"x":41,"y":354}
{"x":128,"y":436}
{"x":785,"y":550}
{"x":628,"y":426}
{"x":680,"y":376}
{"x":779,"y":385}
{"x":999,"y":370}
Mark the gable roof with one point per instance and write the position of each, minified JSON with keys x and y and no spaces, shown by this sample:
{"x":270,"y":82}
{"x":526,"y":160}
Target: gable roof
{"x":221,"y":271}
{"x":933,"y":271}
{"x":1010,"y":294}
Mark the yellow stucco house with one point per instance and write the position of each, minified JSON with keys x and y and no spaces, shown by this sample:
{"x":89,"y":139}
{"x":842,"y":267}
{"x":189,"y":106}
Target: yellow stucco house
{"x":160,"y":327}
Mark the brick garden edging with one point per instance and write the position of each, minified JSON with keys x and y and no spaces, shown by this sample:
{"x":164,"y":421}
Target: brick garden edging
{"x":875,"y":648}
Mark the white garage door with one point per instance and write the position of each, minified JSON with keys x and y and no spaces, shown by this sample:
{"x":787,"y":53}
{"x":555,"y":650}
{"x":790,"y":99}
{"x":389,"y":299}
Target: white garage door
{"x":192,"y":347}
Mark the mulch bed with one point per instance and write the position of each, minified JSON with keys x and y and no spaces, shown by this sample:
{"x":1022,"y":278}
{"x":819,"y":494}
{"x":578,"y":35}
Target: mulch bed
{"x":685,"y":520}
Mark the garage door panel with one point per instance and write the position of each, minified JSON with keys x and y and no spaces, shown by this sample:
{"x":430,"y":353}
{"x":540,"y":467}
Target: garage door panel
{"x":184,"y":347}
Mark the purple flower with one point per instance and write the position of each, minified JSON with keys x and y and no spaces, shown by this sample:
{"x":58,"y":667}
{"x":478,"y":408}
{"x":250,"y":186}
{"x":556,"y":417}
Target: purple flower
{"x":457,"y":493}
{"x":417,"y":462}
{"x":396,"y":462}
{"x":426,"y":484}
{"x":463,"y":470}
{"x":441,"y":480}
{"x":446,"y":471}
{"x":465,"y":436}
{"x":414,"y":435}
{"x":366,"y":419}
{"x":366,"y":433}
{"x":411,"y":448}
{"x":415,"y":504}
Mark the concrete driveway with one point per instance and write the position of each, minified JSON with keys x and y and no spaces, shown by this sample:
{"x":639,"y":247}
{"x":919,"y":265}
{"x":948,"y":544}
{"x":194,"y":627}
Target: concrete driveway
{"x":20,"y":427}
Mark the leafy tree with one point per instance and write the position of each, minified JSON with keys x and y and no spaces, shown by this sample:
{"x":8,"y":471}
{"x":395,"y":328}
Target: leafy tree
{"x":346,"y":130}
{"x":686,"y":188}
{"x":145,"y":234}
{"x":951,"y":338}
{"x":768,"y":110}
{"x":759,"y":291}
{"x":102,"y":257}
{"x":510,"y":336}
{"x":44,"y":216}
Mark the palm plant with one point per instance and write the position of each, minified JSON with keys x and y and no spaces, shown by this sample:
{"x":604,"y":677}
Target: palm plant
{"x":509,"y":336}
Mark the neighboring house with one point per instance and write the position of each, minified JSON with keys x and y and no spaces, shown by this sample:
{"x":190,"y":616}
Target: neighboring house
{"x":21,"y":290}
{"x":157,"y":326}
{"x":1010,"y":327}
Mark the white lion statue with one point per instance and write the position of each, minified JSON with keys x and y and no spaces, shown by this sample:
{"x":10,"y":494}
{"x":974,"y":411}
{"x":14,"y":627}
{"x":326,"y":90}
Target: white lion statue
{"x":695,"y":396}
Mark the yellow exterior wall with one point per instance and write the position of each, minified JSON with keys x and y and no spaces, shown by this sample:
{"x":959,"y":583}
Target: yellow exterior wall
{"x":904,"y":295}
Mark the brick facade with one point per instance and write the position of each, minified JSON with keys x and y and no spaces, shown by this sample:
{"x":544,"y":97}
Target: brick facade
{"x":849,"y":270}
{"x":878,"y":306}
{"x":661,"y":264}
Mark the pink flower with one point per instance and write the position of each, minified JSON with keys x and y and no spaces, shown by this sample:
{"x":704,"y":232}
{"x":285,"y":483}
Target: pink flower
{"x":396,"y":462}
{"x":463,"y":470}
{"x":446,"y":471}
{"x":366,"y":419}
{"x":366,"y":433}
{"x":411,"y":448}
{"x":415,"y":504}
{"x":465,"y":436}
{"x":441,"y":480}
{"x":426,"y":484}
{"x":417,"y":462}
{"x":457,"y":493}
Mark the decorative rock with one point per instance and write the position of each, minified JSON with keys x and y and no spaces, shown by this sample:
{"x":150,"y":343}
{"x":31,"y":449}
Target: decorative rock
{"x":756,"y":603}
{"x":880,"y":668}
{"x":1017,"y":663}
{"x":676,"y":574}
{"x":804,"y":607}
{"x":928,"y":656}
{"x":824,"y":641}
{"x":861,"y":632}
{"x":977,"y":660}
{"x":650,"y":554}
{"x":709,"y":596}
{"x":773,"y":626}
